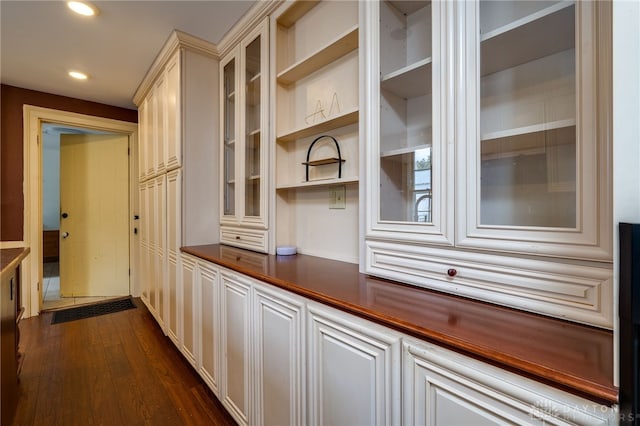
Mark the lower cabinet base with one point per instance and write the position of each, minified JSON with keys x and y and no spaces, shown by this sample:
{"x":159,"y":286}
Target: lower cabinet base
{"x":274,"y":357}
{"x":441,"y":387}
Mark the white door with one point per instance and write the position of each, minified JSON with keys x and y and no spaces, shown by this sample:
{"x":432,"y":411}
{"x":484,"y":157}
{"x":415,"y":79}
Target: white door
{"x":278,"y":339}
{"x":353,"y":370}
{"x":94,"y":204}
{"x":235,"y":345}
{"x":209,"y":332}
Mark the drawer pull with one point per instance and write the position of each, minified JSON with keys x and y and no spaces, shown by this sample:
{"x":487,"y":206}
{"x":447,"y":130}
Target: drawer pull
{"x":452,"y":272}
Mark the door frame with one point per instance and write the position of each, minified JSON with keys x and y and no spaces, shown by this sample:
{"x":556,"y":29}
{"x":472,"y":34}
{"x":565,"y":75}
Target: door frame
{"x":33,"y":118}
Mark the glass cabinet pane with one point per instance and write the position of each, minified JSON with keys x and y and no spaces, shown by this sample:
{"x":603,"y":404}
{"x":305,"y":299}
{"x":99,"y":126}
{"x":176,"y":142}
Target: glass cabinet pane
{"x":229,"y":138}
{"x":252,"y":129}
{"x":405,"y":111}
{"x":527,"y":114}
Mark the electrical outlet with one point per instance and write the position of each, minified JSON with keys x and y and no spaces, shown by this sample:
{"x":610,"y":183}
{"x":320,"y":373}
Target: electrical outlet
{"x":337,"y":197}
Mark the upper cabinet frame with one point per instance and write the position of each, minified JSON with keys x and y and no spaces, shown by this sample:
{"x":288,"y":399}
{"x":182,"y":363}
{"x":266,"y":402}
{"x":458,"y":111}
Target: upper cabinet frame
{"x":244,"y":84}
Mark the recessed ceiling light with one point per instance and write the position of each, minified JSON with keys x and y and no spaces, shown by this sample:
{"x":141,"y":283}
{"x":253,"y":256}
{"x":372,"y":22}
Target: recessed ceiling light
{"x":83,"y":8}
{"x":78,"y":75}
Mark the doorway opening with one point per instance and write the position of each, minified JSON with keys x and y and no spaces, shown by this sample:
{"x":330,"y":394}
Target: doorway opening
{"x":34,"y":119}
{"x":54,"y":295}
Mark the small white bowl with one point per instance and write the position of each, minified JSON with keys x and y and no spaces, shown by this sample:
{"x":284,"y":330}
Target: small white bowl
{"x":286,"y":250}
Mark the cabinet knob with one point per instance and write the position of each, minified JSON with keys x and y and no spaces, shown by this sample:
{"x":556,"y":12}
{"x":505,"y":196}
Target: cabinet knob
{"x":237,"y":237}
{"x":452,"y":272}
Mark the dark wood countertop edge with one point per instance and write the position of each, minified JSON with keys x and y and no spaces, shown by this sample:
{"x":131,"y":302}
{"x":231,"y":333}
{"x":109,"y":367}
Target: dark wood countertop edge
{"x":601,"y":393}
{"x":16,"y":260}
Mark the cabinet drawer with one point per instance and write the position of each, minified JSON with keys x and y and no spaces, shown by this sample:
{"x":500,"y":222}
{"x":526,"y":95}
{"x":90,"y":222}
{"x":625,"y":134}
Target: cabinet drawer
{"x":579,"y":293}
{"x":252,"y":239}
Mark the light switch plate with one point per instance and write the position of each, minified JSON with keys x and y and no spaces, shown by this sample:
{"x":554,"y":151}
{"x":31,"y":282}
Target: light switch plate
{"x":337,"y":197}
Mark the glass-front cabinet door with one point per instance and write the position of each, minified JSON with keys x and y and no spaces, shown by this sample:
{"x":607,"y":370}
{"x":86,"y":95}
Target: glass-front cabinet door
{"x":253,"y":128}
{"x":536,"y":173}
{"x":244,"y":119}
{"x":229,"y":114}
{"x":408,"y":81}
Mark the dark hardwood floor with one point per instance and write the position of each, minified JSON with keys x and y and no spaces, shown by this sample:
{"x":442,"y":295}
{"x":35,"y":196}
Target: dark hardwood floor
{"x":116,"y":369}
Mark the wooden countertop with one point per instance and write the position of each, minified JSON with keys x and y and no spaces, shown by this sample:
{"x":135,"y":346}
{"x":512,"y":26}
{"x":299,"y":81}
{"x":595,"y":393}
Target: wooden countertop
{"x":10,"y":258}
{"x":570,"y":356}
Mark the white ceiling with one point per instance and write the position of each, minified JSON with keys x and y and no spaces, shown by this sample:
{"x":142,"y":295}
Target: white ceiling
{"x":42,"y":40}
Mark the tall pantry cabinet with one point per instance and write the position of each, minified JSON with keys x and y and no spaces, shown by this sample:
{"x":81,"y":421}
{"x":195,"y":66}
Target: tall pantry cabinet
{"x":488,"y":149}
{"x":178,"y":112}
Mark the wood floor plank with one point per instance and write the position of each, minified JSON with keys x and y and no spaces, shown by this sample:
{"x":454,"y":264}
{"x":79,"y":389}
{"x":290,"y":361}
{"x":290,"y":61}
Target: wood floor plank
{"x":116,"y":369}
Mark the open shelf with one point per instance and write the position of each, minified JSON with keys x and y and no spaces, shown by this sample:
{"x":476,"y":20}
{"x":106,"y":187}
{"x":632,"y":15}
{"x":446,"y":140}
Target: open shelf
{"x":339,"y":47}
{"x":529,"y":129}
{"x":402,"y":151}
{"x":295,"y":12}
{"x":317,"y":183}
{"x":409,"y":82}
{"x":349,"y":117}
{"x":254,"y":79}
{"x":540,"y":34}
{"x":324,"y":161}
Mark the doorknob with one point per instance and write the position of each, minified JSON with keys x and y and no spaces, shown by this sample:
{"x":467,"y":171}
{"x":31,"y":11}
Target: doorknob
{"x":65,"y":215}
{"x":65,"y":234}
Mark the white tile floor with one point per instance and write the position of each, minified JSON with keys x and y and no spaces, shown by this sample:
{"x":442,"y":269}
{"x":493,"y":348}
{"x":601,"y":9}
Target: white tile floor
{"x":51,"y":290}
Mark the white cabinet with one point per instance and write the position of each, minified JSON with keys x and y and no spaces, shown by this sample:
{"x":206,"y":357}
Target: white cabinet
{"x":209,"y":325}
{"x":275,"y":358}
{"x":441,"y":388}
{"x":178,"y":114}
{"x":179,"y":120}
{"x":244,"y":155}
{"x":353,"y":370}
{"x":488,"y":170}
{"x":279,"y":357}
{"x":235,"y":336}
{"x":159,"y":148}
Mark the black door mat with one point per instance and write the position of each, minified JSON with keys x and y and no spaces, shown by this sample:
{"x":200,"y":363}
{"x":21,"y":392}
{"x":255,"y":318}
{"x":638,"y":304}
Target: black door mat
{"x":88,"y":311}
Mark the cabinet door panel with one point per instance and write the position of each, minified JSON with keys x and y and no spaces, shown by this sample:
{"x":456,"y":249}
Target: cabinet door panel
{"x":174,"y":217}
{"x":230,"y":71}
{"x":161,"y":246}
{"x":172,"y":105}
{"x":353,"y":370}
{"x":159,"y":121}
{"x":143,"y":140}
{"x":144,"y":244}
{"x":187,"y":336}
{"x":235,"y":334}
{"x":279,"y":358}
{"x":209,"y":326}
